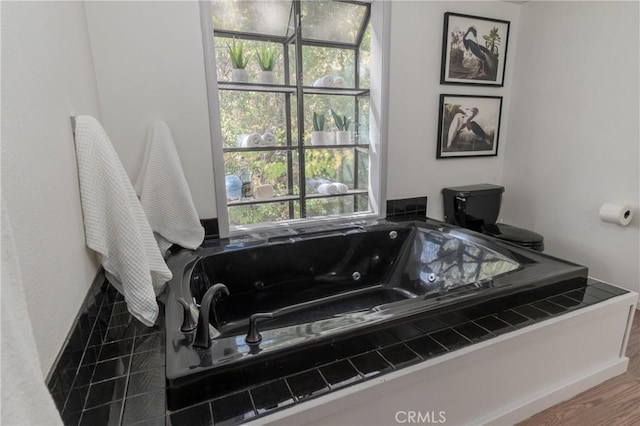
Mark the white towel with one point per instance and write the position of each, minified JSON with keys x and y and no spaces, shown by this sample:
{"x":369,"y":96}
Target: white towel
{"x":339,"y":82}
{"x":341,"y":188}
{"x":327,"y":189}
{"x":115,"y":225}
{"x":325,"y":81}
{"x":313,"y":184}
{"x":268,"y":139}
{"x":25,"y":398}
{"x":251,"y":140}
{"x":165,"y":195}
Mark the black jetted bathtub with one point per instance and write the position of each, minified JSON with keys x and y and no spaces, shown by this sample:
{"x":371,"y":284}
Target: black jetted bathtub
{"x":282,"y":300}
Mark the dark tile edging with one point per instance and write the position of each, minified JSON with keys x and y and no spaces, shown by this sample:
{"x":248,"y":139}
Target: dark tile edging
{"x":69,"y":359}
{"x":91,"y":379}
{"x":211,"y":228}
{"x":407,"y":209}
{"x":119,"y":379}
{"x":459,"y":330}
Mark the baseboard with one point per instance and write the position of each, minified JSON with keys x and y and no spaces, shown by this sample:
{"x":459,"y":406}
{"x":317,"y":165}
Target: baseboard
{"x":557,"y":394}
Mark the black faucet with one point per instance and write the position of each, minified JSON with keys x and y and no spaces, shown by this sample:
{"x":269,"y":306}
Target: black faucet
{"x":214,"y":295}
{"x":253,"y":336}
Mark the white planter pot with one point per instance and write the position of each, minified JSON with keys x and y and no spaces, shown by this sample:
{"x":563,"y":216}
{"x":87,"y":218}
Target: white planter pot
{"x":343,"y":137}
{"x":329,"y":138}
{"x":317,"y":138}
{"x":268,"y":77}
{"x":239,"y":75}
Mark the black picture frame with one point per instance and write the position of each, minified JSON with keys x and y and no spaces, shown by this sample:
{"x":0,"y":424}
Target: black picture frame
{"x":468,"y":126}
{"x":464,"y":60}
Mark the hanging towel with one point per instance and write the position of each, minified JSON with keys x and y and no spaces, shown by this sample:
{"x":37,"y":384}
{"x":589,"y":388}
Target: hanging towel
{"x":165,"y":195}
{"x":25,"y":398}
{"x":115,"y":224}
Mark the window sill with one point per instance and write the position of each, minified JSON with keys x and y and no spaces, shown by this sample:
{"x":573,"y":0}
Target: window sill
{"x":290,"y":226}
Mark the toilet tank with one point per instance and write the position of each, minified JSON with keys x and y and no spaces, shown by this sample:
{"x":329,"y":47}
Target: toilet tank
{"x":472,"y":206}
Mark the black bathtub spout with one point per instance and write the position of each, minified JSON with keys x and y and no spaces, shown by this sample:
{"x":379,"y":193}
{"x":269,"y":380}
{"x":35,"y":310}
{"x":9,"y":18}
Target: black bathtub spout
{"x":253,"y":335}
{"x":215,"y":293}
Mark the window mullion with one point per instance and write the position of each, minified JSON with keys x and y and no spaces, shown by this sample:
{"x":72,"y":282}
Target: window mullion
{"x":288,"y":112}
{"x":300,"y":105}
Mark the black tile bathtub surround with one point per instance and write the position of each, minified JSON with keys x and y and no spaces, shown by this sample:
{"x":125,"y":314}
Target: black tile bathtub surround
{"x":407,"y":208}
{"x":91,"y":378}
{"x":88,"y":328}
{"x":120,"y":378}
{"x":211,"y":228}
{"x":305,"y":385}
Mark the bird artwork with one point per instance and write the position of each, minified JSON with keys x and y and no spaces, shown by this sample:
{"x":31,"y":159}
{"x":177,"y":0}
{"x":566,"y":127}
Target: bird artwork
{"x":469,"y":124}
{"x":463,"y":129}
{"x":475,"y":49}
{"x":488,"y":60}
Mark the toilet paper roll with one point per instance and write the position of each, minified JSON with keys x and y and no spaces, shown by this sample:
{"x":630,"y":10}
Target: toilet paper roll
{"x":616,"y":213}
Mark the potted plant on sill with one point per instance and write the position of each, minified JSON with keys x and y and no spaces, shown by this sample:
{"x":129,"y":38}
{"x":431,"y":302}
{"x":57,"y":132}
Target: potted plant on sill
{"x":318,"y":133}
{"x":343,"y":136}
{"x":267,"y":57}
{"x":238,"y":61}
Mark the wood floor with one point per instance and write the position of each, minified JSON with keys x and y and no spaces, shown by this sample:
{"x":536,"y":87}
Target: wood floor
{"x":614,"y":402}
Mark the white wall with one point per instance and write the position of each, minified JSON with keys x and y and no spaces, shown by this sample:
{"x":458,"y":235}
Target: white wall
{"x":149,"y":66}
{"x":416,"y":52}
{"x":47,"y":75}
{"x":574,"y":132}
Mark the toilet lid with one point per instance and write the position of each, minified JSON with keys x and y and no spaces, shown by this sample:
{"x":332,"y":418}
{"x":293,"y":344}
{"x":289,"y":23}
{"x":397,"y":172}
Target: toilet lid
{"x":514,"y":234}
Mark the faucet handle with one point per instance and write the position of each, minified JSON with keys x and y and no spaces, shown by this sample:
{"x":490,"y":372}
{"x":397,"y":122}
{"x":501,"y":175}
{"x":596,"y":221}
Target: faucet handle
{"x":188,"y":321}
{"x":253,"y":336}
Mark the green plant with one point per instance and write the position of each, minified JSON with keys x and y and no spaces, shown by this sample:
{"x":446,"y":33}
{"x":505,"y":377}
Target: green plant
{"x":266,"y":57}
{"x":318,"y":121}
{"x":492,"y":41}
{"x":342,"y":123}
{"x":236,"y":52}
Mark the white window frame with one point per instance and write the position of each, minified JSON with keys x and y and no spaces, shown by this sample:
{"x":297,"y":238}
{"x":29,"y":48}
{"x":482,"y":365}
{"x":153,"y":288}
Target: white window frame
{"x":378,"y":128}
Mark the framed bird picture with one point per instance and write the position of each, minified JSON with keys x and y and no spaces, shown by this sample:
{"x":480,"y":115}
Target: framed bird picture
{"x":474,"y":50}
{"x":469,"y":126}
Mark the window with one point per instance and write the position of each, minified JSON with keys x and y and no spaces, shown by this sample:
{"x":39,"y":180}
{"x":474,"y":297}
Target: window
{"x":271,"y":126}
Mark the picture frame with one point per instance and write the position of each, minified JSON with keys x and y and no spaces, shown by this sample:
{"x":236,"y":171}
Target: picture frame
{"x":474,"y":50}
{"x":468,"y":126}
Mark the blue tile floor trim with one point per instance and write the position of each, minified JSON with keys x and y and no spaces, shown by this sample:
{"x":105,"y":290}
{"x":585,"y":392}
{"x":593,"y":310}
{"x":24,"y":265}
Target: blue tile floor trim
{"x":119,"y":378}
